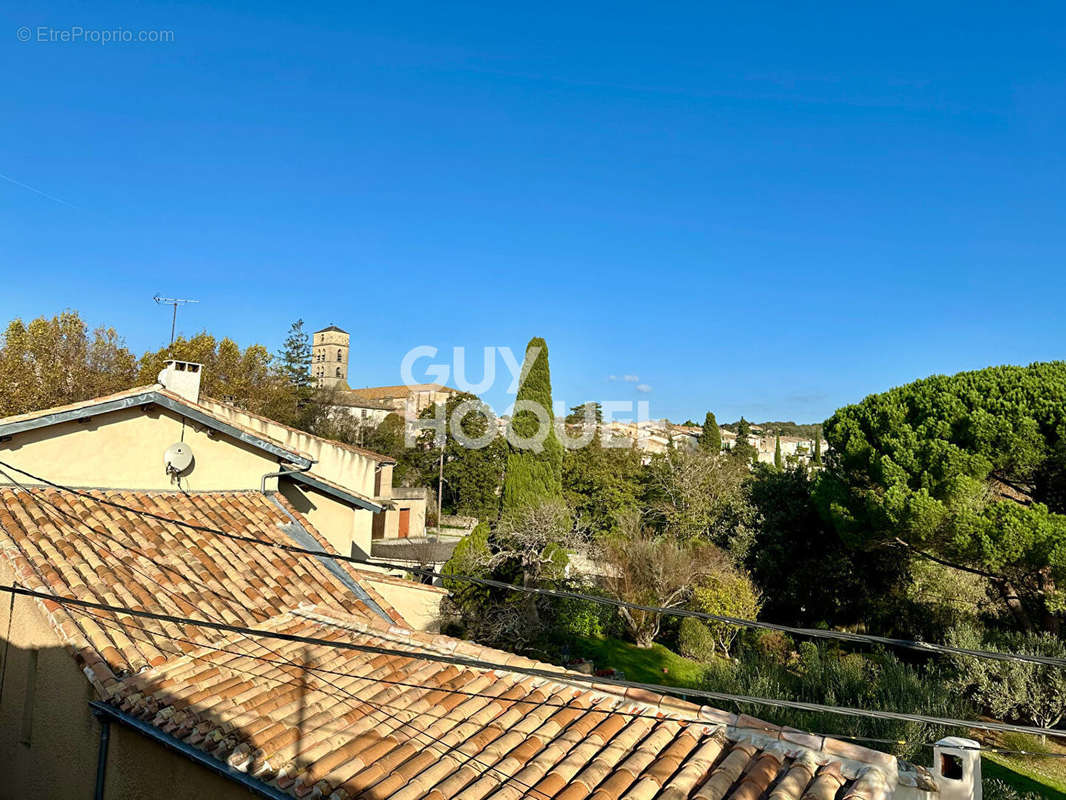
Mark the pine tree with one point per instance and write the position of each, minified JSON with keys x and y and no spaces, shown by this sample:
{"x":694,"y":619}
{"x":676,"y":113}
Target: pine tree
{"x":533,"y":477}
{"x":777,"y":453}
{"x":711,"y":438}
{"x":294,"y":358}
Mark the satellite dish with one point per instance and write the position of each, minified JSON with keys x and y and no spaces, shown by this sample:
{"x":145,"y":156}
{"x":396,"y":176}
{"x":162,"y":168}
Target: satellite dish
{"x":178,"y":457}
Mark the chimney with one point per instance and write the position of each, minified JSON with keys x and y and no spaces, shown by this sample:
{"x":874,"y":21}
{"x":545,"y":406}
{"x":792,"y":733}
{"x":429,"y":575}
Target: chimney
{"x":182,"y":378}
{"x":957,"y":768}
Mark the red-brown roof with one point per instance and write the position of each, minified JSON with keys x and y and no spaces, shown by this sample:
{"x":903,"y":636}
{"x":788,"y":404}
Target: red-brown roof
{"x":398,"y":392}
{"x":405,"y":728}
{"x":313,"y":718}
{"x":66,"y":544}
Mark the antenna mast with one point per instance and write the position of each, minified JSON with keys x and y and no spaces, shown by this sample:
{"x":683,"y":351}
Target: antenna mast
{"x":172,"y":301}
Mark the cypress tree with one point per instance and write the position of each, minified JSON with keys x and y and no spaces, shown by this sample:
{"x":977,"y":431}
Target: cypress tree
{"x":533,"y":477}
{"x":744,"y":450}
{"x":777,"y":453}
{"x":818,"y":447}
{"x":711,"y":437}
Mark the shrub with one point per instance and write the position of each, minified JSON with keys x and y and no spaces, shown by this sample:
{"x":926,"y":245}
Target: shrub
{"x":695,"y":640}
{"x":1032,"y":693}
{"x":727,"y":593}
{"x":468,"y":558}
{"x":575,"y":617}
{"x":823,"y":675}
{"x":996,"y":789}
{"x":773,"y":647}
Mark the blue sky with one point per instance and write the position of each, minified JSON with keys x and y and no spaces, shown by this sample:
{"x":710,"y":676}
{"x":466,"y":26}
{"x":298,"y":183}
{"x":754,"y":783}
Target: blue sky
{"x":757,"y":208}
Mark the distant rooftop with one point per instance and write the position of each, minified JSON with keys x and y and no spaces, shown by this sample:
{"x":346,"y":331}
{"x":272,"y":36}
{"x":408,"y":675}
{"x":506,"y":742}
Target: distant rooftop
{"x":332,"y":328}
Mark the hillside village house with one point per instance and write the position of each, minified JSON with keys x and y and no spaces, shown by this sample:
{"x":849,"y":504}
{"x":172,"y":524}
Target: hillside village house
{"x":98,"y":701}
{"x":119,"y":442}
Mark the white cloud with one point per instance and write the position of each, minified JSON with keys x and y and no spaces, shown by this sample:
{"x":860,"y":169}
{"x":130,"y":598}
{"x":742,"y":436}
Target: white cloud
{"x":612,"y":377}
{"x":643,"y":387}
{"x":631,"y":378}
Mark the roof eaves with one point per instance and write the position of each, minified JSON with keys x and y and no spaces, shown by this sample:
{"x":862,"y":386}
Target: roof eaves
{"x":149,"y":395}
{"x":334,"y":490}
{"x":249,"y":782}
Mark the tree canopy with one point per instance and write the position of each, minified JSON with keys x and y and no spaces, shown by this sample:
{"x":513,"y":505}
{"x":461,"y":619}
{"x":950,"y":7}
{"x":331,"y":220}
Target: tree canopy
{"x":970,"y":467}
{"x":55,"y":361}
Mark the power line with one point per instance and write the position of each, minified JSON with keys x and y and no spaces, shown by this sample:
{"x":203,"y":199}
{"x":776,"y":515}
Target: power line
{"x":537,"y":672}
{"x":731,"y":698}
{"x":288,"y":662}
{"x":814,"y":633}
{"x":768,"y":730}
{"x":38,"y":502}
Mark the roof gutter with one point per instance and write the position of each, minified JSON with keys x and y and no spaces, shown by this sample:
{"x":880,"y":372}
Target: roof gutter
{"x":281,"y":473}
{"x":106,"y":713}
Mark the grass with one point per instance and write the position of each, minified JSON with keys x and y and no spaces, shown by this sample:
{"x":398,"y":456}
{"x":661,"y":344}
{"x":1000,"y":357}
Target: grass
{"x":1045,"y":777}
{"x":655,"y":664}
{"x":1021,"y":774}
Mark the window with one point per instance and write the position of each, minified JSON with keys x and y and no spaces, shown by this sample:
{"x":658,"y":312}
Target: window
{"x":951,"y":767}
{"x":338,"y":355}
{"x":338,"y":372}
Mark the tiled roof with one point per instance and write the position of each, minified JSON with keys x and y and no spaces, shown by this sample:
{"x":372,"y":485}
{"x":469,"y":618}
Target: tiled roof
{"x":395,"y":392}
{"x":386,"y":727}
{"x":401,"y":728}
{"x":65,"y":544}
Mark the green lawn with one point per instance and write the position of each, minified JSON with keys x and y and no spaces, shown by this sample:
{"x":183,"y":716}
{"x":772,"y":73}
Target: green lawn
{"x":655,"y":664}
{"x":1040,"y":776}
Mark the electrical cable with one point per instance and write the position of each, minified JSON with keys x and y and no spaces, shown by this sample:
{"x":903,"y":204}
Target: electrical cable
{"x":549,"y":674}
{"x":290,"y":663}
{"x":228,"y":600}
{"x":924,"y":647}
{"x":767,"y":731}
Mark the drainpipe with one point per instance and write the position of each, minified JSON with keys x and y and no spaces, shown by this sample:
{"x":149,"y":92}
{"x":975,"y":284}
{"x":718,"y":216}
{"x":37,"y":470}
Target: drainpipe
{"x":101,"y":759}
{"x":282,"y":474}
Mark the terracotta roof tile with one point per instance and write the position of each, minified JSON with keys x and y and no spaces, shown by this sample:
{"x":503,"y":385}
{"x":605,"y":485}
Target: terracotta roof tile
{"x":318,"y":721}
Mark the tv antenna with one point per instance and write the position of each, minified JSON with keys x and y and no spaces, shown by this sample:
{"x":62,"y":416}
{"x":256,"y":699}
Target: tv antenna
{"x":172,"y":301}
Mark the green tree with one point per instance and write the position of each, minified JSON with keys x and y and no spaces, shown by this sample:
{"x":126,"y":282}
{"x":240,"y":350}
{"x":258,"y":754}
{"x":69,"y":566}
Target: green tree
{"x":777,"y":453}
{"x":711,"y":438}
{"x":56,"y":361}
{"x":818,"y":447}
{"x":726,"y":592}
{"x":602,"y":484}
{"x":803,"y":568}
{"x":694,"y":495}
{"x":533,"y":475}
{"x":585,"y":413}
{"x":961,"y":467}
{"x":303,"y":408}
{"x":744,"y":451}
{"x":649,"y":570}
{"x":470,"y":557}
{"x":472,"y":475}
{"x":294,"y":359}
{"x":243,"y":378}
